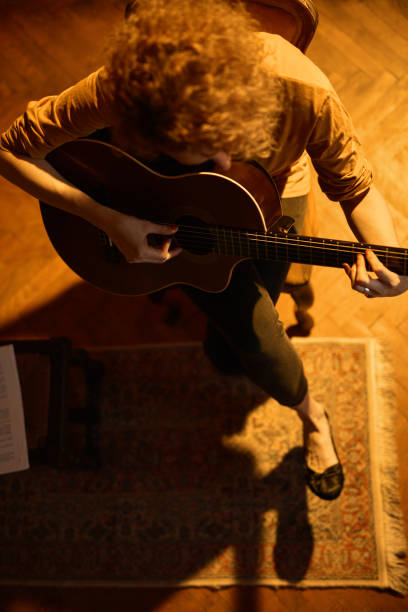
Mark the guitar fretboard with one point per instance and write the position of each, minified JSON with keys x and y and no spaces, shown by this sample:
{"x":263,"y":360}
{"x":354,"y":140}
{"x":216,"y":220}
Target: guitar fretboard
{"x":286,"y":247}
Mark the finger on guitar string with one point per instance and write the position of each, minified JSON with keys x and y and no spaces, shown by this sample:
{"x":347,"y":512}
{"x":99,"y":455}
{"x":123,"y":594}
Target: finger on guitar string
{"x":160,"y":228}
{"x":350,"y":271}
{"x":381,"y":281}
{"x":159,"y":246}
{"x":140,"y":240}
{"x":359,"y":277}
{"x":363,"y":281}
{"x":160,"y":254}
{"x":372,"y":278}
{"x":391,"y":279}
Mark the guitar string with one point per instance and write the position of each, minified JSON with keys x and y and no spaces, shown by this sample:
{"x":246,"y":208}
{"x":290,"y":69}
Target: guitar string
{"x":234,"y":237}
{"x":283,"y":253}
{"x":274,"y":240}
{"x":210,"y":231}
{"x":330,"y":255}
{"x":305,"y":245}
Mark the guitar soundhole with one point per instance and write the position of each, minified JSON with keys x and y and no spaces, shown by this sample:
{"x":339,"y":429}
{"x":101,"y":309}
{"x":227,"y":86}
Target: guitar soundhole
{"x":194,"y":235}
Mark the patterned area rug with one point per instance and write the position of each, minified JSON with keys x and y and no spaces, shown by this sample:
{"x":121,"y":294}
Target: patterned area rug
{"x":202,"y":482}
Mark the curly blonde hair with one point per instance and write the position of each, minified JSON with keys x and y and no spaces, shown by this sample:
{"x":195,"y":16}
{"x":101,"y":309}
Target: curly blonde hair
{"x":189,"y":73}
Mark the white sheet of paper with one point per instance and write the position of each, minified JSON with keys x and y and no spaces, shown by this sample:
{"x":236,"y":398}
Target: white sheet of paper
{"x":13,"y":441}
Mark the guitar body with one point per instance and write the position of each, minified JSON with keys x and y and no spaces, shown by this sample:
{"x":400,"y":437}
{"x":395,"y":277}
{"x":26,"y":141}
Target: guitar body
{"x":243,"y":197}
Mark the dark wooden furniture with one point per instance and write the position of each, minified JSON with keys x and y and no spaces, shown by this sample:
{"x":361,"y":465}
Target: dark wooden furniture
{"x":295,"y":20}
{"x":45,"y":368}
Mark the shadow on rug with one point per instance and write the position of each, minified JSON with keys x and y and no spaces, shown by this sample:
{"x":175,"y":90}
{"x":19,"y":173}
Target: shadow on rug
{"x":202,"y":482}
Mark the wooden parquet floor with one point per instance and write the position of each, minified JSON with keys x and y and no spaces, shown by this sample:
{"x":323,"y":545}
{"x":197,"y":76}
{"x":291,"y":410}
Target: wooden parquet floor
{"x":363,"y":48}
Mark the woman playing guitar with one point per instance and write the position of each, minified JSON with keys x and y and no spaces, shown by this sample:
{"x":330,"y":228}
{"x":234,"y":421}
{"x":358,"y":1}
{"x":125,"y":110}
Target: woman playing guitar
{"x":195,"y":84}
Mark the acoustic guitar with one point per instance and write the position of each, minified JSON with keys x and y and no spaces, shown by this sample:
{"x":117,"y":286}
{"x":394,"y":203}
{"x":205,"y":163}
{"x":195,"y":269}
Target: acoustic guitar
{"x":222,"y":219}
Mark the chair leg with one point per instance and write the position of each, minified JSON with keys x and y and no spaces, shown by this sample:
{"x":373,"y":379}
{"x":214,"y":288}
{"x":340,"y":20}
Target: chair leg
{"x":59,"y":350}
{"x":303,"y":297}
{"x":94,"y":375}
{"x":90,"y":416}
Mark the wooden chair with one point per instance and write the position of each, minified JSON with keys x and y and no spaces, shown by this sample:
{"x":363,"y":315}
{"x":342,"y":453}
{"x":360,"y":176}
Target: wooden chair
{"x":296,"y":21}
{"x":45,"y":368}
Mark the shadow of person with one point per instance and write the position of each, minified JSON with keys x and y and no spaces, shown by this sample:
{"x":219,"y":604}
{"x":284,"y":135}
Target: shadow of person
{"x":289,"y":552}
{"x":294,"y":537}
{"x":197,"y":499}
{"x":172,"y":502}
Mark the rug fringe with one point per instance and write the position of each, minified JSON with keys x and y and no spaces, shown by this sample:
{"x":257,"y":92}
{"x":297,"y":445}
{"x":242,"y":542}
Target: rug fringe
{"x":384,"y":422}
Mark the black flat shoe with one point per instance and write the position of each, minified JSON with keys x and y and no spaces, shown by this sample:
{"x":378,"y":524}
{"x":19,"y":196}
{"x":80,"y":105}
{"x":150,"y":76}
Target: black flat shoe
{"x":329,"y":484}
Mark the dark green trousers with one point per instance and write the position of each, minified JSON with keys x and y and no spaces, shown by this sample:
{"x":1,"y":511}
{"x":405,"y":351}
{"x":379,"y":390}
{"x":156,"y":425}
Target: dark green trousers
{"x":244,"y":331}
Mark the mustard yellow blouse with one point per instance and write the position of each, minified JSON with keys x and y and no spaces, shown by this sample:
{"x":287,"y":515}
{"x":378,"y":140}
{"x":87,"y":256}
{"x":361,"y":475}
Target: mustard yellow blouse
{"x":313,"y":124}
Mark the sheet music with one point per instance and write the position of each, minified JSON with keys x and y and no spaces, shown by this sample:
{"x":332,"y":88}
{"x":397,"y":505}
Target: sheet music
{"x":13,"y":441}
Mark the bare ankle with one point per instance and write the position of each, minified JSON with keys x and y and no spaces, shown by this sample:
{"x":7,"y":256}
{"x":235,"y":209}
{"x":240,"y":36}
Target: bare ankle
{"x":309,"y":410}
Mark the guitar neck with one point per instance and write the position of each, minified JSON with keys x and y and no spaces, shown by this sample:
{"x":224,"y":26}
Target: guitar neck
{"x":296,"y":248}
{"x":322,"y":251}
